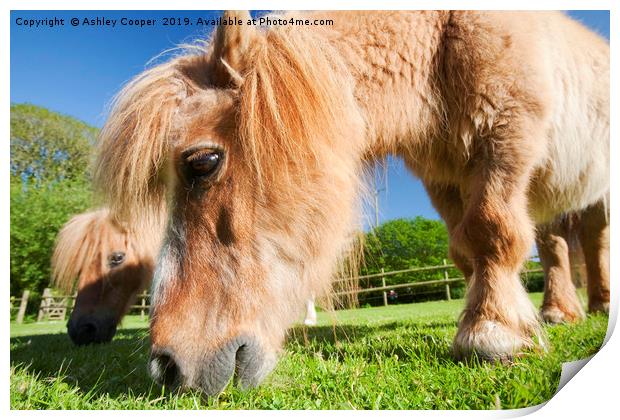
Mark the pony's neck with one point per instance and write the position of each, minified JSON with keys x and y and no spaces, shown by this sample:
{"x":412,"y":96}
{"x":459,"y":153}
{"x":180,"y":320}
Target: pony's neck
{"x":395,"y":66}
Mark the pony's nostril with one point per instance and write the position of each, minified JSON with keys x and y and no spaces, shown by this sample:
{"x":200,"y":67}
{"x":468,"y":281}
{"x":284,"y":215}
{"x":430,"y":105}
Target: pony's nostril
{"x":249,"y":363}
{"x":87,"y":329}
{"x":83,"y":333}
{"x":164,"y":370}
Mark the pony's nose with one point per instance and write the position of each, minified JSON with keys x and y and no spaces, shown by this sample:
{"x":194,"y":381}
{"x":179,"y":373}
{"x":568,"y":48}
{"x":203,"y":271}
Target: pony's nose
{"x":91,"y":330}
{"x":86,"y":333}
{"x":87,"y":330}
{"x":241,"y":357}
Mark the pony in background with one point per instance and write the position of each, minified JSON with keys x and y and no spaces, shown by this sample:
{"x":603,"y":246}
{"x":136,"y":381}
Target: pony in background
{"x":110,"y":265}
{"x":256,"y":144}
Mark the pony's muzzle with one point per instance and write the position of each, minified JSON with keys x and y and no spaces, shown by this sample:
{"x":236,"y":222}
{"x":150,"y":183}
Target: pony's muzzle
{"x":89,"y":329}
{"x":242,"y":358}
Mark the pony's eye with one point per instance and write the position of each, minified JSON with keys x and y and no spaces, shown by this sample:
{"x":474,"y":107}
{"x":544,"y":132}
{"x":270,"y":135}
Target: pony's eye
{"x":203,"y":164}
{"x":116,"y":258}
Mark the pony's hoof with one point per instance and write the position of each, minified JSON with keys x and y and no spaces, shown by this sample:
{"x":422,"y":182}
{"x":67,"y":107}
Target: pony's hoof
{"x":489,"y":341}
{"x":599,"y":307}
{"x":553,"y":315}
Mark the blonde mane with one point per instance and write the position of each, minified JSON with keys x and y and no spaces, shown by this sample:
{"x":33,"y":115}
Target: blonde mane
{"x":85,"y":240}
{"x":296,"y":90}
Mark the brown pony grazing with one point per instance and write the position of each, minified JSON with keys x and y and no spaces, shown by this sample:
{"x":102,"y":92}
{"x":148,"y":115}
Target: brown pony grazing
{"x":111,"y":265}
{"x":257,"y":145}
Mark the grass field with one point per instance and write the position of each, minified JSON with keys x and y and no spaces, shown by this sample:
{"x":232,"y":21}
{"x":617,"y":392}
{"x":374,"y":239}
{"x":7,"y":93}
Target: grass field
{"x":379,"y":358}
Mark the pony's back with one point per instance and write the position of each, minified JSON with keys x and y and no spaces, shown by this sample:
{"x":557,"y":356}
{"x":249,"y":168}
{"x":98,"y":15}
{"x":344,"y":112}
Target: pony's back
{"x":575,"y":172}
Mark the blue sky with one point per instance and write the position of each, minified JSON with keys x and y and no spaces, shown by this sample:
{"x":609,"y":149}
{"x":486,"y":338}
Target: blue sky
{"x":77,"y":70}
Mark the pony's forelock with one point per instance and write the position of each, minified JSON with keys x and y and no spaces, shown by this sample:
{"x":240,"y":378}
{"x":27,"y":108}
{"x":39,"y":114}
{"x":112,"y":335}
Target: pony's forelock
{"x":133,"y":143}
{"x":80,"y":242}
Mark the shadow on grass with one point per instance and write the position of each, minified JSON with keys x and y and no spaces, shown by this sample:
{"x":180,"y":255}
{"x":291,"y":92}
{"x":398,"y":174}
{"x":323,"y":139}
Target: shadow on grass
{"x":114,"y":368}
{"x":119,"y":368}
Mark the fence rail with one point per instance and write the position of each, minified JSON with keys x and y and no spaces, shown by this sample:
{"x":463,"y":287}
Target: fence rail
{"x":403,"y":285}
{"x":56,"y":307}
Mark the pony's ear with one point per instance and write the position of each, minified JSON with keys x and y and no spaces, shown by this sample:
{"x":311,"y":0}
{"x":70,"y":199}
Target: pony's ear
{"x":231,"y":47}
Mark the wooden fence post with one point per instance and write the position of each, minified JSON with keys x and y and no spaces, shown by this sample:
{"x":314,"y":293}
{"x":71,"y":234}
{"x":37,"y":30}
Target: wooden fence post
{"x":45,"y":303}
{"x":143,"y":306}
{"x":445,"y":276}
{"x":22,"y":307}
{"x":385,"y":301}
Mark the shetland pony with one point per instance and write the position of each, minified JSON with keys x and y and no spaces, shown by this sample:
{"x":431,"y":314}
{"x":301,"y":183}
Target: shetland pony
{"x":256,"y":145}
{"x":110,"y":265}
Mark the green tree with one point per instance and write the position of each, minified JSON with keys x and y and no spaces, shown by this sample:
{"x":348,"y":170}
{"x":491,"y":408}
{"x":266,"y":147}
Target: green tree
{"x":407,"y":243}
{"x":50,"y":155}
{"x":47,"y":146}
{"x":403,"y":243}
{"x":37,"y":214}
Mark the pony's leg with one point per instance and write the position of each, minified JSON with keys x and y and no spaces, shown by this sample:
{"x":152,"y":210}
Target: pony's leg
{"x":496,"y":235}
{"x":448,"y":202}
{"x":594,"y":238}
{"x":310,"y":313}
{"x":560,"y":301}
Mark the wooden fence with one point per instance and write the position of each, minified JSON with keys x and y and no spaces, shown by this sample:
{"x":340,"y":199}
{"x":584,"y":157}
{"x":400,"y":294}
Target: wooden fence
{"x":21,"y":304}
{"x":446,"y":281}
{"x":58,"y":307}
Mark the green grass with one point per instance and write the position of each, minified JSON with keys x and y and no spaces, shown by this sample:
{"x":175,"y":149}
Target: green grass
{"x":389,"y":358}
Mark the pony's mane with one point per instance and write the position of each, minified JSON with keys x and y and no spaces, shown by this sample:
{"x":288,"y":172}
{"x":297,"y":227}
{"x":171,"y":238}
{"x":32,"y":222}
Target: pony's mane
{"x":296,"y":99}
{"x":86,"y":239}
{"x":295,"y":89}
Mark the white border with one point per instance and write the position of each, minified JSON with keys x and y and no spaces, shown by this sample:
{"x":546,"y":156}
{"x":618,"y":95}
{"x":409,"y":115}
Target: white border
{"x":591,"y":394}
